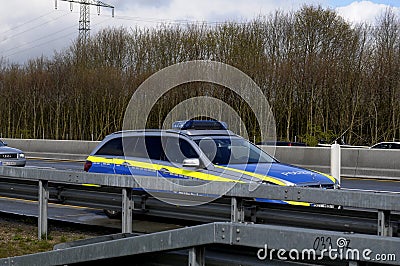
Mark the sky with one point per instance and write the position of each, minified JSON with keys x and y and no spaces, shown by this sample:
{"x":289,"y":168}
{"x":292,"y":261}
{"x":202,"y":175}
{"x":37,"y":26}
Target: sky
{"x":30,"y":29}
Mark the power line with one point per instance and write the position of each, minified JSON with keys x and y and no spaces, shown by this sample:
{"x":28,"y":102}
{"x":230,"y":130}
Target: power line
{"x":172,"y":21}
{"x":29,"y":21}
{"x":47,"y":42}
{"x":41,"y":38}
{"x":29,"y":29}
{"x":33,"y":47}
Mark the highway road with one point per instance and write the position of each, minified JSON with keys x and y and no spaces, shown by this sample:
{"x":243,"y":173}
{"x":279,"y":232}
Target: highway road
{"x":347,"y":183}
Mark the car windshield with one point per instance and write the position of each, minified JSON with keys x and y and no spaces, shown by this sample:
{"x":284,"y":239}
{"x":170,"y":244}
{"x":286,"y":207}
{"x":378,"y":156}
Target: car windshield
{"x":228,"y":150}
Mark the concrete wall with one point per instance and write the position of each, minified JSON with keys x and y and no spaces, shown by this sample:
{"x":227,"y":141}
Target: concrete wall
{"x":61,"y":149}
{"x":356,"y":162}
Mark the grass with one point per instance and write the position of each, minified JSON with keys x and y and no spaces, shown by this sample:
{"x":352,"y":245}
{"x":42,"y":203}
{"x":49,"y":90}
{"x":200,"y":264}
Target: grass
{"x":19,"y":237}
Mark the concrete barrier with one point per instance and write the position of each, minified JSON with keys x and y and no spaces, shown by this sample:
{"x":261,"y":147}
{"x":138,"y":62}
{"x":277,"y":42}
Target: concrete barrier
{"x":356,"y":162}
{"x":54,"y":149}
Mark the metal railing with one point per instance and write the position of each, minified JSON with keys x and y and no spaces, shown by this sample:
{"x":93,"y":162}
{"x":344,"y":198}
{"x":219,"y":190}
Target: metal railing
{"x":235,"y":233}
{"x":384,"y":203}
{"x":265,"y":242}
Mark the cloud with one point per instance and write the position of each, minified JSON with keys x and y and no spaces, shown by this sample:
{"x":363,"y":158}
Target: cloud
{"x":29,"y":29}
{"x":204,"y":10}
{"x":363,"y":11}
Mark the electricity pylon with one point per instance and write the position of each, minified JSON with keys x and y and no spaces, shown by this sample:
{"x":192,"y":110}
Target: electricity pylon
{"x":84,"y":16}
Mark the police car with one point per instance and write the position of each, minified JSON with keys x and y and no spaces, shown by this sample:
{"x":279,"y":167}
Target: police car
{"x":203,"y":150}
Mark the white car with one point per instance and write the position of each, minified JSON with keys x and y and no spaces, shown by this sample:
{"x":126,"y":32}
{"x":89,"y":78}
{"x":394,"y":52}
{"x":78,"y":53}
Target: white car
{"x":386,"y":145}
{"x":11,"y":156}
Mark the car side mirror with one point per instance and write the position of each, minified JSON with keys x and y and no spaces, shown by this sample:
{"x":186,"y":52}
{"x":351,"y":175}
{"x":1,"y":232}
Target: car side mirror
{"x":191,"y":162}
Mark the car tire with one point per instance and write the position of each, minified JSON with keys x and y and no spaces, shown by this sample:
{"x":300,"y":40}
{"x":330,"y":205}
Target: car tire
{"x":113,"y":214}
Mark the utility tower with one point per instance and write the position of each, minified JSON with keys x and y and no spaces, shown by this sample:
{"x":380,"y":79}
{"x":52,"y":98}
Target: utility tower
{"x":84,"y":15}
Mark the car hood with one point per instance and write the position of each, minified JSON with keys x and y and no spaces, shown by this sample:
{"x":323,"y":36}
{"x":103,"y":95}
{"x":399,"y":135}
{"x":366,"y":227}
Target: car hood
{"x":5,"y":149}
{"x":295,"y":175}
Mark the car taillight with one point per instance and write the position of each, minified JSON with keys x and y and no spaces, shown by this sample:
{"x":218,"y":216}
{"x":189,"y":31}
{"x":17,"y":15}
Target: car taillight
{"x":87,"y":166}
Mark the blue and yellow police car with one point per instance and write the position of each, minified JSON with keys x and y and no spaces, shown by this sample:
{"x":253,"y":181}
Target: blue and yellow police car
{"x":203,"y":150}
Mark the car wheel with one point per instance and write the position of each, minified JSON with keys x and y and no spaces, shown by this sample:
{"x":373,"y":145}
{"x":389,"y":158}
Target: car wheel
{"x":113,"y":214}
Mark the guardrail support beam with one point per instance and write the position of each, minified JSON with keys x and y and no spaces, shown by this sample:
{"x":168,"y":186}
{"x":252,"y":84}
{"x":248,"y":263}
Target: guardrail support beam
{"x":384,"y":226}
{"x":127,"y":204}
{"x":336,"y":161}
{"x":196,"y":256}
{"x":237,"y":210}
{"x":43,"y":204}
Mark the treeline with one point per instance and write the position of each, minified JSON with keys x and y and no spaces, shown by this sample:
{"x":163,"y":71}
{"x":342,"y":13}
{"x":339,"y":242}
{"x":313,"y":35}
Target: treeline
{"x":324,"y":78}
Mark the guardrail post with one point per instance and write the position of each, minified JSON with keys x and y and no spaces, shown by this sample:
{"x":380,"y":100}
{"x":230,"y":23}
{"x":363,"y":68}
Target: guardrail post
{"x":43,"y":203}
{"x":143,"y":203}
{"x":127,"y":210}
{"x":196,"y":256}
{"x":237,"y":210}
{"x":253,"y":214}
{"x":384,"y":227}
{"x":335,"y":161}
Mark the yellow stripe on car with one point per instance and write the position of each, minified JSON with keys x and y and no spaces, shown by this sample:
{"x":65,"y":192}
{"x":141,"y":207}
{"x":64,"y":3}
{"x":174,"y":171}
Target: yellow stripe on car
{"x":156,"y":167}
{"x":269,"y":179}
{"x":259,"y":176}
{"x":326,"y":175}
{"x":298,"y":203}
{"x":90,"y":185}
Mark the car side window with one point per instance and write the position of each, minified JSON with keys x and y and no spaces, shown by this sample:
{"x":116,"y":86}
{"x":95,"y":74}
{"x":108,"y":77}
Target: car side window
{"x":170,"y":149}
{"x":112,"y":148}
{"x":154,"y":148}
{"x":178,"y":149}
{"x":147,"y":147}
{"x":187,"y":150}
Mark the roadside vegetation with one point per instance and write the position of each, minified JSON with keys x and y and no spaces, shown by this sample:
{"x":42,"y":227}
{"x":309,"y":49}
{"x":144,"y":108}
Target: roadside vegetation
{"x":19,"y":237}
{"x":322,"y":76}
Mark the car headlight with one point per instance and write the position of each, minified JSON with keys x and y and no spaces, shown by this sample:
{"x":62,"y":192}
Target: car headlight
{"x":21,"y":155}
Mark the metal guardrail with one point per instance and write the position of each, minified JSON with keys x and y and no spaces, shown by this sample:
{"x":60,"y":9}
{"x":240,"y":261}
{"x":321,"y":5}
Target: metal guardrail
{"x":355,"y":162}
{"x":263,"y":239}
{"x":234,"y":233}
{"x":148,"y":207}
{"x":383,"y":202}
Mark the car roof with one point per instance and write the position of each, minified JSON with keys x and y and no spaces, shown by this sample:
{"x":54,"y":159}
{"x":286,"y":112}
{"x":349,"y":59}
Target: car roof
{"x":188,"y":132}
{"x":386,"y":142}
{"x":394,"y":144}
